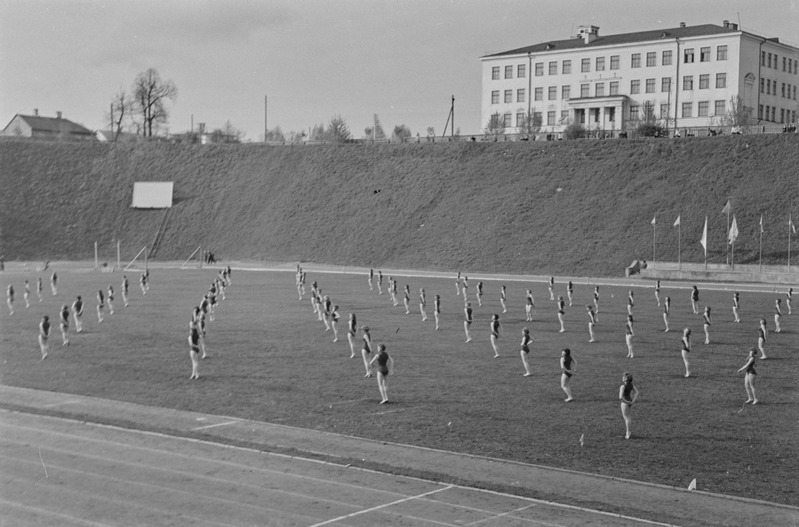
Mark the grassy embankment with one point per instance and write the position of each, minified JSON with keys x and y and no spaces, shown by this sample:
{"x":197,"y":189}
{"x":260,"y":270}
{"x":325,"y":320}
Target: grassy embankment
{"x":581,"y":207}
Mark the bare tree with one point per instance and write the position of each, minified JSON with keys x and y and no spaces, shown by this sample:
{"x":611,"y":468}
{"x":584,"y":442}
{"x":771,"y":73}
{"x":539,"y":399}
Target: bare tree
{"x":121,"y":112}
{"x":738,"y":114}
{"x":276,"y":134}
{"x":401,"y":132}
{"x":531,"y":123}
{"x":150,"y":93}
{"x":495,"y":125}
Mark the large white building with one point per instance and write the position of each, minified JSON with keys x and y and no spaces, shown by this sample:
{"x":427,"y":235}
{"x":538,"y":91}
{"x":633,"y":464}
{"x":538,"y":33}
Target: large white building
{"x":685,"y":76}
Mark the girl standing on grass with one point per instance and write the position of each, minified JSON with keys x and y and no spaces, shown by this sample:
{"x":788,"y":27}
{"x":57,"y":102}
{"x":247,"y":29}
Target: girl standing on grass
{"x":686,"y":349}
{"x":526,"y":340}
{"x":437,"y":308}
{"x":468,"y":319}
{"x":788,"y":295}
{"x":54,"y":283}
{"x":666,"y":311}
{"x":761,"y":338}
{"x":44,"y":335}
{"x":736,"y":303}
{"x":26,"y":294}
{"x":706,"y":324}
{"x":458,"y":285}
{"x":695,"y":300}
{"x":406,"y":299}
{"x":479,"y":294}
{"x":628,"y":336}
{"x":125,"y":287}
{"x":380,"y":282}
{"x":657,"y":292}
{"x":551,"y":288}
{"x":561,"y":312}
{"x":465,"y":288}
{"x":366,"y":350}
{"x":749,"y":376}
{"x":64,"y":318}
{"x":630,"y":302}
{"x":567,"y":368}
{"x":352,"y":330}
{"x":591,"y":322}
{"x":570,"y":291}
{"x":334,"y":322}
{"x":496,"y":328}
{"x":39,"y":288}
{"x":194,"y":351}
{"x":10,"y":299}
{"x":371,"y":277}
{"x":110,"y":299}
{"x":77,"y":313}
{"x":385,"y":364}
{"x":596,"y":299}
{"x":528,"y":308}
{"x":777,"y":315}
{"x":422,"y":304}
{"x":503,"y":297}
{"x":100,"y":305}
{"x":628,"y":393}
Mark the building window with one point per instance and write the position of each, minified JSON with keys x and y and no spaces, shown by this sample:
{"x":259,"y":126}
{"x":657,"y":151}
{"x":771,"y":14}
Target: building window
{"x":650,"y":85}
{"x":687,"y":108}
{"x":768,"y":109}
{"x":774,"y":113}
{"x":600,"y":63}
{"x":688,"y":56}
{"x":614,"y":87}
{"x":521,"y":71}
{"x":782,"y":115}
{"x":506,"y":120}
{"x":634,"y":111}
{"x":508,"y":95}
{"x":495,"y":73}
{"x":508,"y":72}
{"x":666,"y":60}
{"x":720,"y":109}
{"x":762,"y":85}
{"x":539,"y":94}
{"x":537,"y":117}
{"x":636,"y":60}
{"x":566,"y":67}
{"x":599,"y":89}
{"x":551,"y":117}
{"x":782,"y":93}
{"x":495,"y":97}
{"x":520,"y":95}
{"x":539,"y":69}
{"x":721,"y":53}
{"x":519,"y":119}
{"x":762,"y":58}
{"x":768,"y":63}
{"x":704,"y":54}
{"x":635,"y":86}
{"x":760,"y":112}
{"x":704,"y":106}
{"x":704,"y":81}
{"x":585,"y":65}
{"x":651,"y":59}
{"x":688,"y":82}
{"x":784,"y":60}
{"x":664,"y":111}
{"x":565,"y":92}
{"x":768,"y":86}
{"x":564,"y":116}
{"x":721,"y":80}
{"x":553,"y":68}
{"x":584,"y":90}
{"x":614,"y":62}
{"x":665,"y":84}
{"x":552,"y":93}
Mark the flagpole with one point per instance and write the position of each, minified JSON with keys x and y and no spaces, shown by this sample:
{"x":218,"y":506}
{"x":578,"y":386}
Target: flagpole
{"x":761,"y":244}
{"x":790,"y":227}
{"x":679,"y":241}
{"x":654,"y":238}
{"x":728,"y":227}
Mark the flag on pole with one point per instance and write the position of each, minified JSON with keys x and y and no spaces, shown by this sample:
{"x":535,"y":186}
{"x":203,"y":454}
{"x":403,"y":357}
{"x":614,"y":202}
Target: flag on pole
{"x":761,"y":225}
{"x":703,"y":241}
{"x":727,"y":208}
{"x":677,"y":221}
{"x":733,"y":230}
{"x":692,"y":485}
{"x":654,"y":220}
{"x":791,"y":224}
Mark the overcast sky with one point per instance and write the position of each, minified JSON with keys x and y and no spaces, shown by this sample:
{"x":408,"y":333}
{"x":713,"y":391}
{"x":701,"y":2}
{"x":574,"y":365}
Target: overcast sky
{"x":313,"y":59}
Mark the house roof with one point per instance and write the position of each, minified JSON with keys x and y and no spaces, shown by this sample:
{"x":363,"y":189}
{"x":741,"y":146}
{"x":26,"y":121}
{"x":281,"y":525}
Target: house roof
{"x":622,"y":38}
{"x":54,"y":125}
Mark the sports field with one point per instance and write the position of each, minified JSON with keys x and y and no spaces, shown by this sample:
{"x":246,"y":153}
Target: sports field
{"x":272,"y":360}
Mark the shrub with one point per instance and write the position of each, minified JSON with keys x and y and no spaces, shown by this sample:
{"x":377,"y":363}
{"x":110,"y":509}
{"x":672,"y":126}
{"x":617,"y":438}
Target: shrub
{"x":574,"y":131}
{"x":651,"y":130}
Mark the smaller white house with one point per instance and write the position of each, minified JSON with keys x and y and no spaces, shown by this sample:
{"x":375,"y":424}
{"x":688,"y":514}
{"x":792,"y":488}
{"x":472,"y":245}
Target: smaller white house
{"x":52,"y":128}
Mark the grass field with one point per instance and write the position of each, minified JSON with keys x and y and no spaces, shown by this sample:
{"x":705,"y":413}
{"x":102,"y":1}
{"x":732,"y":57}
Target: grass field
{"x":271,"y":360}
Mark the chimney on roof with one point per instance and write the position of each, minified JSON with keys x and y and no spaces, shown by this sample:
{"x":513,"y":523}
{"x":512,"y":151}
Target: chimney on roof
{"x":588,"y":33}
{"x":726,"y":24}
{"x":36,"y":112}
{"x":58,"y":115}
{"x":682,"y":24}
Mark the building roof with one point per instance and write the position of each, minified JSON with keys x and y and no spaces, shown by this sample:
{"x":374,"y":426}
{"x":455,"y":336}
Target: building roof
{"x":623,"y":38}
{"x":55,"y":125}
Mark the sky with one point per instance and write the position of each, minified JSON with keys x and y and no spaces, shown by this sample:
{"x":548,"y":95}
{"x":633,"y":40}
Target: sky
{"x":311,"y":59}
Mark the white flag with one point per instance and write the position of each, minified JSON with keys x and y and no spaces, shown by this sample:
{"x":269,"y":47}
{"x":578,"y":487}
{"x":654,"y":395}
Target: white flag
{"x":654,"y":220}
{"x":692,"y":485}
{"x":677,"y":221}
{"x":727,"y":208}
{"x":703,"y":241}
{"x":733,"y":230}
{"x":761,"y":225}
{"x":790,"y":224}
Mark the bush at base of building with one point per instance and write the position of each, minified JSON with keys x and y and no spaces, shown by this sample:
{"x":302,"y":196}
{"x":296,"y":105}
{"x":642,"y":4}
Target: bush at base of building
{"x":651,"y":130}
{"x":574,"y":131}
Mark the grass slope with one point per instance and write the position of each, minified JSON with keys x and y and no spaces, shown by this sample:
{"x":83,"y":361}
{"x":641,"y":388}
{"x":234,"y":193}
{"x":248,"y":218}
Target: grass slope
{"x":471,"y":206}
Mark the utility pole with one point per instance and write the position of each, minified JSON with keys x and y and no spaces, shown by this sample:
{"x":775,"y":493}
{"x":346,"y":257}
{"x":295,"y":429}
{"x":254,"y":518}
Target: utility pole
{"x":266,"y":128}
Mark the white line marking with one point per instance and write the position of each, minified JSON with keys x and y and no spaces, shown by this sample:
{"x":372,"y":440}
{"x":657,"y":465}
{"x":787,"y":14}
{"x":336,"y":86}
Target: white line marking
{"x":364,"y":511}
{"x":217,"y":424}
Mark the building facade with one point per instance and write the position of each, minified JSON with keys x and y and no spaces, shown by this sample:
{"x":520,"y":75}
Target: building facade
{"x":50,"y":128}
{"x":684,"y":77}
